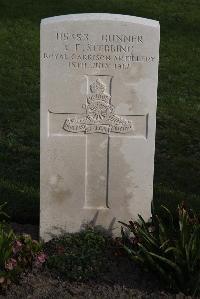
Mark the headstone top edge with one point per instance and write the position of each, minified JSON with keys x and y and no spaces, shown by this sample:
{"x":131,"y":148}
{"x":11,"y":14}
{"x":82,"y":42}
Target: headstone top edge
{"x":100,"y":17}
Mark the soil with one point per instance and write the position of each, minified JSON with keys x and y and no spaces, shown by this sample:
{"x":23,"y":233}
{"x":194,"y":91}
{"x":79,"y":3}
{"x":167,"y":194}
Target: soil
{"x":124,"y":280}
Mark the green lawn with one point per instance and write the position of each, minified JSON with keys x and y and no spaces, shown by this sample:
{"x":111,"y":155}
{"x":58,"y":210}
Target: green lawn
{"x":177,"y":161}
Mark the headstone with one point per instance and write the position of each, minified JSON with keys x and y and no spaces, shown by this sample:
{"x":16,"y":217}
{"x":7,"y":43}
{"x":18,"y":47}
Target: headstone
{"x":99,"y":76}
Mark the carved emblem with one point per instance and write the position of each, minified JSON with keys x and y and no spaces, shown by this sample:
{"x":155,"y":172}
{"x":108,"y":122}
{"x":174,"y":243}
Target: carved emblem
{"x":99,"y":116}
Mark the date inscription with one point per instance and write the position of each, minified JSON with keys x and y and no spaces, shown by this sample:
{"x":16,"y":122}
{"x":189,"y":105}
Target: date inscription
{"x":78,"y":50}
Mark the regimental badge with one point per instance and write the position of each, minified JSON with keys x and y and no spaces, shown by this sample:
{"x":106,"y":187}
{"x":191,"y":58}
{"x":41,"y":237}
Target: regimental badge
{"x":99,"y":116}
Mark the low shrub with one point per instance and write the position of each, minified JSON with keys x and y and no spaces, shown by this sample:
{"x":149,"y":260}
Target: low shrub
{"x":78,"y":256}
{"x":171,"y":249}
{"x":17,"y":253}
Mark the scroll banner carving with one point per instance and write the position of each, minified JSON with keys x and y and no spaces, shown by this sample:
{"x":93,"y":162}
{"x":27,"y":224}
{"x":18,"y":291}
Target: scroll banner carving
{"x":100,"y":114}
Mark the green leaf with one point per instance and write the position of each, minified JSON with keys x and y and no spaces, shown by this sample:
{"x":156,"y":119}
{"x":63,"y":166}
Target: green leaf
{"x":148,"y":238}
{"x":125,"y":224}
{"x":171,"y":264}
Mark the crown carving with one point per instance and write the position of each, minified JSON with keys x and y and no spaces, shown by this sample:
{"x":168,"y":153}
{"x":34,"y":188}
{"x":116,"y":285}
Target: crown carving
{"x":97,"y":87}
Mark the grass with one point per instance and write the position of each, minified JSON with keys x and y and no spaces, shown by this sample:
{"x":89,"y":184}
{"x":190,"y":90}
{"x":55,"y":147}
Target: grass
{"x":177,"y":160}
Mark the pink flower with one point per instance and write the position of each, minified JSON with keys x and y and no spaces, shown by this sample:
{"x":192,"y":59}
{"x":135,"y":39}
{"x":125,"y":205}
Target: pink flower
{"x":11,"y":264}
{"x":40,"y":259}
{"x":17,"y":246}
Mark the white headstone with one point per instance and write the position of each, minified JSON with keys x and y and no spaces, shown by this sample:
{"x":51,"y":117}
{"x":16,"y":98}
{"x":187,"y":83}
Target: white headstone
{"x":99,"y":76}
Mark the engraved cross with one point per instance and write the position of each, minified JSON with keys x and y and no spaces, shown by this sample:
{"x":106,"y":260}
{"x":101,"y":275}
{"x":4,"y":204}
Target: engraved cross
{"x":100,"y":124}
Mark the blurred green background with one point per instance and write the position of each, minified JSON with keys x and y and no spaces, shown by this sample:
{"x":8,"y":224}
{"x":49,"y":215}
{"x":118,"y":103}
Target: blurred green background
{"x":177,"y":159}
